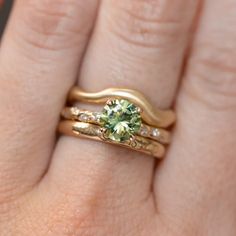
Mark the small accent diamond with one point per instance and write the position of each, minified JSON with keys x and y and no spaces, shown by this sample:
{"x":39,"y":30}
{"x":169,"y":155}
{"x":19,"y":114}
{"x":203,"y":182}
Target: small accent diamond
{"x":75,"y":111}
{"x":96,"y":116}
{"x":155,"y":132}
{"x":84,"y":117}
{"x":144,"y":131}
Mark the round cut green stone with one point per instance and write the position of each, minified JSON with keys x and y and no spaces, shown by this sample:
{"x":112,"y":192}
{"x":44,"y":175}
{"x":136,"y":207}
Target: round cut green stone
{"x":121,"y":119}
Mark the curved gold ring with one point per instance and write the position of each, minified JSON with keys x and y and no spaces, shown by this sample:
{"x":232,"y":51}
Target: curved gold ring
{"x":154,"y":117}
{"x":76,"y":114}
{"x":91,"y":131}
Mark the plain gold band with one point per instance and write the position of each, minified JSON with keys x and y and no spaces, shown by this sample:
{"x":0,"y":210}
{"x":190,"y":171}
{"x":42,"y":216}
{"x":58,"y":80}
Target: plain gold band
{"x":154,"y":117}
{"x":91,"y":131}
{"x":75,"y":114}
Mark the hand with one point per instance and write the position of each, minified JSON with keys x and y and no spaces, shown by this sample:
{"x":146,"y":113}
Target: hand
{"x":180,"y":52}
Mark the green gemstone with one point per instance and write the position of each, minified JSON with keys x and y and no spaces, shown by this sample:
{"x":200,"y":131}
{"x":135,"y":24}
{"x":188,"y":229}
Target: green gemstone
{"x":121,"y":119}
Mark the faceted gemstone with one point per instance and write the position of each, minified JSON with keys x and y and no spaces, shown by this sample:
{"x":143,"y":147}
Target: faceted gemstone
{"x":96,"y":116}
{"x":144,"y":131}
{"x":156,"y":132}
{"x":84,"y":117}
{"x":121,"y":119}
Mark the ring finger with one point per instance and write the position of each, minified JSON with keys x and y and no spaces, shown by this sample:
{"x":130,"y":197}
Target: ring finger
{"x":136,"y":44}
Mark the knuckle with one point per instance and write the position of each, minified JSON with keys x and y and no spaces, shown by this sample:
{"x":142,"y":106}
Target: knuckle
{"x":53,"y":25}
{"x":212,"y":75}
{"x":143,"y":23}
{"x":211,"y":58}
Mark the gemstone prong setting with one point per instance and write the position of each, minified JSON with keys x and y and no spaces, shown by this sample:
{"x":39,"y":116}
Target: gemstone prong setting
{"x":121,"y":119}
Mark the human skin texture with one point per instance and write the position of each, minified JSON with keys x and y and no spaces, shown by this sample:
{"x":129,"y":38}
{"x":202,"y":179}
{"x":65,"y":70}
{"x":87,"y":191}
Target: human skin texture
{"x":180,"y":54}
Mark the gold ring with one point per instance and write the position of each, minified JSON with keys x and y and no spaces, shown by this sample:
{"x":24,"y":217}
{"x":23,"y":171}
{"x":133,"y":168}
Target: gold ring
{"x":127,"y":120}
{"x":91,"y":131}
{"x":76,"y":114}
{"x":155,"y":117}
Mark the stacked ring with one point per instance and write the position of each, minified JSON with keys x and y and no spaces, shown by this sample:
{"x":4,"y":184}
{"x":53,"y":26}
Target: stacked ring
{"x":127,"y":120}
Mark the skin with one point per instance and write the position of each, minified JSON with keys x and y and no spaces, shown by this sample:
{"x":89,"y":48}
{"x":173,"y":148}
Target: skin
{"x":179,"y":53}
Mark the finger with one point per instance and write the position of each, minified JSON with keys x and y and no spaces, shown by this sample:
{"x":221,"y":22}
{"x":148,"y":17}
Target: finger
{"x":141,"y":44}
{"x":39,"y":59}
{"x":200,"y":169}
{"x":136,"y":44}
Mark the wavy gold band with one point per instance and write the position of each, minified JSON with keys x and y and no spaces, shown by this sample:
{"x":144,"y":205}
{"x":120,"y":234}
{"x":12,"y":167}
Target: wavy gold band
{"x":154,"y":117}
{"x":91,"y":131}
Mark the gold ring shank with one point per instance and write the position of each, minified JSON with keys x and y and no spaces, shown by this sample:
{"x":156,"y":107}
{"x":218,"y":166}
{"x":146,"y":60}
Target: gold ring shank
{"x":154,"y":117}
{"x":92,"y":131}
{"x":75,"y":114}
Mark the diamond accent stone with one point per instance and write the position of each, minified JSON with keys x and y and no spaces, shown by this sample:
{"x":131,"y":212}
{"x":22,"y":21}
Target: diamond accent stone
{"x":84,"y":117}
{"x":75,"y":111}
{"x":144,"y":131}
{"x":96,"y":116}
{"x":155,"y":133}
{"x":121,"y":119}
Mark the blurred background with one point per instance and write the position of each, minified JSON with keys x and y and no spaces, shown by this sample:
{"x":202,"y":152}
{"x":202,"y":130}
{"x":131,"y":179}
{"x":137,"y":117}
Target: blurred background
{"x":5,"y":6}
